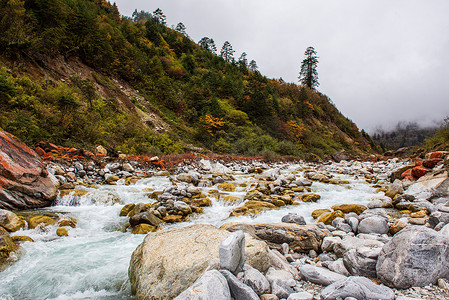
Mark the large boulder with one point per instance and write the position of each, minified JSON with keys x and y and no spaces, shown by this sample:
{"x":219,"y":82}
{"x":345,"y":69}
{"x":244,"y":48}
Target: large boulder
{"x":415,"y":256}
{"x":169,"y":261}
{"x":10,"y":221}
{"x":362,"y":261}
{"x":319,"y":275}
{"x":24,"y":180}
{"x":300,"y":238}
{"x":358,"y":288}
{"x":430,"y":185}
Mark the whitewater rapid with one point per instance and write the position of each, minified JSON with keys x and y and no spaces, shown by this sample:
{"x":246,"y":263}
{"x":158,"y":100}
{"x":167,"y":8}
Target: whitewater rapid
{"x":92,"y":262}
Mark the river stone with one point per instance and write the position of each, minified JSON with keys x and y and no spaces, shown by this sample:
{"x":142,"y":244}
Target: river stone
{"x":293,"y":218}
{"x":362,"y":261}
{"x":438,"y":217}
{"x":24,"y":180}
{"x":10,"y":221}
{"x":357,"y":287}
{"x":338,"y":267}
{"x":212,"y":285}
{"x":145,"y":218}
{"x":6,"y":247}
{"x":416,"y":256}
{"x":126,"y":209}
{"x":143,"y":229}
{"x":373,"y":224}
{"x":168,"y":261}
{"x":329,"y":217}
{"x":348,"y":242}
{"x":319,"y":275}
{"x":328,"y":243}
{"x":239,"y":290}
{"x":232,"y":252}
{"x":34,"y":221}
{"x":300,"y":296}
{"x":281,"y":282}
{"x":347,"y":208}
{"x":255,"y":280}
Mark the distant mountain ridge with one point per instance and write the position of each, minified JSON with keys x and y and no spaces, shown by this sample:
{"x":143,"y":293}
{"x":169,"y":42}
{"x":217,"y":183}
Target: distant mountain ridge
{"x":77,"y":73}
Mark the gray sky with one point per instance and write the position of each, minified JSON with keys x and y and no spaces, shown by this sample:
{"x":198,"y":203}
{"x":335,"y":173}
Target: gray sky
{"x":381,"y":61}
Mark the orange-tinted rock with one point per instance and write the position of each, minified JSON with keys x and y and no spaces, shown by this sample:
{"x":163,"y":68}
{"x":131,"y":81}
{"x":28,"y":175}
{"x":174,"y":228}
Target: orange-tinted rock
{"x":39,"y":151}
{"x":24,"y":180}
{"x":419,"y":171}
{"x":409,"y":178}
{"x":438,"y":154}
{"x":430,"y":163}
{"x":407,"y":173}
{"x":418,"y":163}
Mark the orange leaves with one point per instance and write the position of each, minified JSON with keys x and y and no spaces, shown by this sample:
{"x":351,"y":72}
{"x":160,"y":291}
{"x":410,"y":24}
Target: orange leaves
{"x":296,"y":130}
{"x":212,"y":124}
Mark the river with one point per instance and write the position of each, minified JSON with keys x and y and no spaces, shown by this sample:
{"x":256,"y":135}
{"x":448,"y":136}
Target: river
{"x":92,"y":262}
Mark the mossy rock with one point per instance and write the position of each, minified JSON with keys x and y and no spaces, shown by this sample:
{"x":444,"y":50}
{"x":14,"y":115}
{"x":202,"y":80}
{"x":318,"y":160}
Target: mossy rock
{"x":62,"y":231}
{"x":419,"y":214}
{"x":252,"y":207}
{"x":318,"y":212}
{"x":67,"y":223}
{"x":34,"y":221}
{"x":278,"y":202}
{"x":201,"y":202}
{"x":155,"y":195}
{"x":347,"y":208}
{"x":329,"y":217}
{"x":143,"y":229}
{"x":126,"y":209}
{"x":7,"y":246}
{"x":173,"y":219}
{"x":405,"y":212}
{"x":227,"y":187}
{"x":73,"y":193}
{"x":112,"y":179}
{"x":298,"y":189}
{"x":132,"y":180}
{"x":231,"y":199}
{"x":22,"y":238}
{"x":310,"y":197}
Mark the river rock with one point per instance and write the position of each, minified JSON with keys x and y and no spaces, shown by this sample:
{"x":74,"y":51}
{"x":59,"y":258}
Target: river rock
{"x":429,"y":185}
{"x":7,"y":246}
{"x":232,"y":252}
{"x":347,"y":208}
{"x":300,"y":238}
{"x":36,"y":220}
{"x":438,"y":217}
{"x":348,"y":242}
{"x":293,"y":218}
{"x":319,"y":275}
{"x":238,"y":289}
{"x":373,"y":224}
{"x":212,"y":285}
{"x":255,"y":280}
{"x":356,"y":287}
{"x":362,"y":261}
{"x":327,"y":218}
{"x":24,"y":180}
{"x":10,"y":221}
{"x":145,"y":218}
{"x":282,"y":282}
{"x":300,"y":296}
{"x":168,"y":261}
{"x":416,"y":256}
{"x":338,"y":267}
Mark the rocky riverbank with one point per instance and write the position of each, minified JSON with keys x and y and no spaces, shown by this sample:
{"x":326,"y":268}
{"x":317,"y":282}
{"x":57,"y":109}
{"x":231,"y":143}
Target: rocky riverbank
{"x":398,"y":239}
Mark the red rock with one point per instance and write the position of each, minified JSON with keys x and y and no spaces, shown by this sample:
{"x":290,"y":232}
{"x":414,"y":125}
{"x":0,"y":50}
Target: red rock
{"x":430,"y":163}
{"x":418,"y":163}
{"x":407,"y":173}
{"x":419,"y":171}
{"x":409,"y":178}
{"x":438,"y":154}
{"x":24,"y":180}
{"x":39,"y":151}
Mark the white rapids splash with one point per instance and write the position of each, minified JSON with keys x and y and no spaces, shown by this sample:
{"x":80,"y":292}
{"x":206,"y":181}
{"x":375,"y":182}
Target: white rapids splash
{"x":92,"y":262}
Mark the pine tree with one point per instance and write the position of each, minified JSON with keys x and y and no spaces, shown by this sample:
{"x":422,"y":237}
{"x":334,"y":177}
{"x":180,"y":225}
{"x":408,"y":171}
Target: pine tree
{"x":252,"y":66}
{"x":308,"y":76}
{"x":226,"y":52}
{"x":181,"y":28}
{"x":159,"y":17}
{"x":208,"y":44}
{"x":141,"y":16}
{"x":243,"y":60}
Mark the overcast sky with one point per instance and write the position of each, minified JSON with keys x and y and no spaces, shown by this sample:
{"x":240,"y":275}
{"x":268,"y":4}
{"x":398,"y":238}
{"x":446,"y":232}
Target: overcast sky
{"x":380,"y":61}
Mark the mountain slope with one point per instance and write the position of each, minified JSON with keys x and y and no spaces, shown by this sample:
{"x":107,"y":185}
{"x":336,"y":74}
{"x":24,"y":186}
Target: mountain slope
{"x":78,"y":73}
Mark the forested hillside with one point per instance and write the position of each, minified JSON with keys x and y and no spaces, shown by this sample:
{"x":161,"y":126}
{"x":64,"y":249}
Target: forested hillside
{"x":77,"y":73}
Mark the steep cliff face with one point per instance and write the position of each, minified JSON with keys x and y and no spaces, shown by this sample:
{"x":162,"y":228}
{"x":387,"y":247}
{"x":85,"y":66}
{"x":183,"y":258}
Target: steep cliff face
{"x":24,"y":180}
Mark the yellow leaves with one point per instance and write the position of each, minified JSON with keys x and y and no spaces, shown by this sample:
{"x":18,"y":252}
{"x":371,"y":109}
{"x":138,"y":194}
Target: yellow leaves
{"x":212,"y":124}
{"x":310,"y":105}
{"x":296,"y":130}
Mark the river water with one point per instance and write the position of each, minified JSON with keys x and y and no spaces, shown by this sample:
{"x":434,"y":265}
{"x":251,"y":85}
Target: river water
{"x":92,"y":262}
